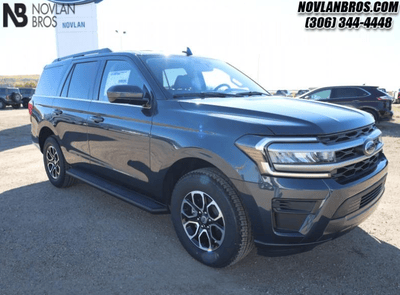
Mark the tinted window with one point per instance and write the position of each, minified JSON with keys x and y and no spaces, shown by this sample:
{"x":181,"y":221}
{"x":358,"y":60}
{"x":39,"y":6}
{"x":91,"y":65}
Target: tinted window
{"x":348,"y":93}
{"x":118,"y":72}
{"x":50,"y":81}
{"x":2,"y":91}
{"x":323,"y":94}
{"x":82,"y":80}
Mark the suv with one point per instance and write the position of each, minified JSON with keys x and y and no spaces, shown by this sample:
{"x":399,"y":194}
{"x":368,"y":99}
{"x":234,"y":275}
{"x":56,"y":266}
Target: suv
{"x":283,"y":93}
{"x":367,"y":98}
{"x":196,"y":138}
{"x":10,"y":96}
{"x":27,"y":94}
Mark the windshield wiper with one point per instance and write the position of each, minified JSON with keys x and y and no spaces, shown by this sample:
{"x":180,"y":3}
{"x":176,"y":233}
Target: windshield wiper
{"x":204,"y":94}
{"x":251,"y":93}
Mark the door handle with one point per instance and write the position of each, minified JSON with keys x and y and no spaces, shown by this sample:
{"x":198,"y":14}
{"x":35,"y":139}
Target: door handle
{"x":57,"y":112}
{"x":96,"y":119}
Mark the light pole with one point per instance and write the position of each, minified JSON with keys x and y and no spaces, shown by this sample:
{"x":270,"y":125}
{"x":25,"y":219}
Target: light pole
{"x":122,"y":33}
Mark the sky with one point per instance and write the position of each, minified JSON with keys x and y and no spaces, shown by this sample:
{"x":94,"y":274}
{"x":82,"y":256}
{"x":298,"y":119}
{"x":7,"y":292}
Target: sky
{"x":264,"y":39}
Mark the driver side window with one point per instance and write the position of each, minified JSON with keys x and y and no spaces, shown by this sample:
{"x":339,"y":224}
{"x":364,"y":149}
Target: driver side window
{"x":119,"y":72}
{"x":324,"y":94}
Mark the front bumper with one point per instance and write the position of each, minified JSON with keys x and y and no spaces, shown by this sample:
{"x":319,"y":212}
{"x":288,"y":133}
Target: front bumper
{"x":292,"y":215}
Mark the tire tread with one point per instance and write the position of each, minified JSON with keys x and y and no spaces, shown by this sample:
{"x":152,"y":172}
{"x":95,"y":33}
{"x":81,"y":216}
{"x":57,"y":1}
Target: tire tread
{"x":246,"y":244}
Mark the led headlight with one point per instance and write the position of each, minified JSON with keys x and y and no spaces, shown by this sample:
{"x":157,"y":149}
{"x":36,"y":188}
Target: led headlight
{"x":285,"y":157}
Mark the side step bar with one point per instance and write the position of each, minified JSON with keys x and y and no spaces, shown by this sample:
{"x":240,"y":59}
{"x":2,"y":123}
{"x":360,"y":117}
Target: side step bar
{"x":120,"y":192}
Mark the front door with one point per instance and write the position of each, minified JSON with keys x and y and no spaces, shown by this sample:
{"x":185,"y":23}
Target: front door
{"x":119,"y":133}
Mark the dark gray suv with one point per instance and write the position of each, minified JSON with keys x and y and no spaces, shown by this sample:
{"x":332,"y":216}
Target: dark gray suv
{"x":196,"y":138}
{"x":10,"y":96}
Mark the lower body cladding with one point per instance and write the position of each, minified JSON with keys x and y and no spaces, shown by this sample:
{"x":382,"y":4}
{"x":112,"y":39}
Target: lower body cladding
{"x":291,"y":215}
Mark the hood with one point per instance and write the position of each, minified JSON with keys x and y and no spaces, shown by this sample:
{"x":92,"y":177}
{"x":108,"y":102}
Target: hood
{"x":282,"y":116}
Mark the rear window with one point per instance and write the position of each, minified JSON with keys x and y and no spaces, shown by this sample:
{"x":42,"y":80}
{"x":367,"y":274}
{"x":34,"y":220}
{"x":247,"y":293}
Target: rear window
{"x":50,"y":80}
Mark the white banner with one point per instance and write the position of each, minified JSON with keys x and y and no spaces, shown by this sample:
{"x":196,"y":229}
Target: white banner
{"x":77,"y":32}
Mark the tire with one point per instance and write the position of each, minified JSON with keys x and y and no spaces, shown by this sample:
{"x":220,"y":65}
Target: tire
{"x":16,"y":106}
{"x":25,"y":104}
{"x":54,"y":164}
{"x":209,"y":218}
{"x":2,"y":104}
{"x":16,"y":97}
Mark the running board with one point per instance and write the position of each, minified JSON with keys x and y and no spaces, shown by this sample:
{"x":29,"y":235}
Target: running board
{"x":120,"y":192}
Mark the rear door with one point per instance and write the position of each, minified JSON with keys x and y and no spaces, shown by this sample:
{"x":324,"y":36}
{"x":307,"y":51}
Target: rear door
{"x":119,"y":133}
{"x":349,"y":96}
{"x":70,"y":110}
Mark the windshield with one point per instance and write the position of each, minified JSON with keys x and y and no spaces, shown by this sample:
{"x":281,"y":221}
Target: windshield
{"x":185,"y":76}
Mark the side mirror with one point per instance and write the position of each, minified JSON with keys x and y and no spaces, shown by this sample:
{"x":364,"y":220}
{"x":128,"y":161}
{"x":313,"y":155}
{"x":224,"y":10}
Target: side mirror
{"x":307,"y":97}
{"x":127,"y":94}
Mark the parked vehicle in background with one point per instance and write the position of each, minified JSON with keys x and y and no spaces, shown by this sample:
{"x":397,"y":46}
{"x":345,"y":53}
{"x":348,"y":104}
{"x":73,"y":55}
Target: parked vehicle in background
{"x":397,"y":97}
{"x":301,"y":92}
{"x":10,"y":96}
{"x":196,"y":138}
{"x":27,"y":94}
{"x":283,"y":93}
{"x":367,"y":98}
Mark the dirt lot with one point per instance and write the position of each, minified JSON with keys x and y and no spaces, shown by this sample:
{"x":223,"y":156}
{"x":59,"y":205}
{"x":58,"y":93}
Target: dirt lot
{"x":83,"y":241}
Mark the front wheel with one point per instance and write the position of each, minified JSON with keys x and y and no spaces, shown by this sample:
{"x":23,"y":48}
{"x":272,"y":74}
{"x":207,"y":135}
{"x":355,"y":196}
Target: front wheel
{"x":209,"y":218}
{"x":2,"y":104}
{"x":54,"y":163}
{"x":16,"y":106}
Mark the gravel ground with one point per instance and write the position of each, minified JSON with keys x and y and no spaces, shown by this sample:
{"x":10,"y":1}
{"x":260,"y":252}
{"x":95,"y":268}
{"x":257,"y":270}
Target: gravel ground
{"x":83,"y":241}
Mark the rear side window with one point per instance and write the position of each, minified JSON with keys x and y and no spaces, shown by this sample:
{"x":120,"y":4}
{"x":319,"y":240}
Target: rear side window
{"x":348,"y":92}
{"x":50,"y":81}
{"x":82,"y":80}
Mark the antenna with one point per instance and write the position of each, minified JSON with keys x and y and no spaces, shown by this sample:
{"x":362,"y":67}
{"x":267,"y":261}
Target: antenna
{"x":188,"y":51}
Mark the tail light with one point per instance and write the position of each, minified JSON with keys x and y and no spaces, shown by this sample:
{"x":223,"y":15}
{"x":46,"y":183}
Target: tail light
{"x":384,"y":97}
{"x":30,"y":108}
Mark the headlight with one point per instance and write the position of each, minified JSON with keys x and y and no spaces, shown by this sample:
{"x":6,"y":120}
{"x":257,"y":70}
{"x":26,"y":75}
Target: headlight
{"x":283,"y":157}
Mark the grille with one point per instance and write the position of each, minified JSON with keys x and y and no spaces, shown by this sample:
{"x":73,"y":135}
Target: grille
{"x":346,"y":154}
{"x":368,"y":198}
{"x":357,"y":202}
{"x":345,"y":136}
{"x":355,"y":171}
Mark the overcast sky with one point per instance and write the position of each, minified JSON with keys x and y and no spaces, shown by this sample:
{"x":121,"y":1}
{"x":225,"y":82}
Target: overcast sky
{"x":264,"y":39}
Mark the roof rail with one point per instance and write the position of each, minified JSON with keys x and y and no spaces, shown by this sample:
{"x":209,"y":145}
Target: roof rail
{"x":98,"y":51}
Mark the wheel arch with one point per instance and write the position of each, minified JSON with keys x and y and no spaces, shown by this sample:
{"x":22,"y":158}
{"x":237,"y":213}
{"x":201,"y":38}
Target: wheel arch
{"x":370,"y":109}
{"x":45,"y":133}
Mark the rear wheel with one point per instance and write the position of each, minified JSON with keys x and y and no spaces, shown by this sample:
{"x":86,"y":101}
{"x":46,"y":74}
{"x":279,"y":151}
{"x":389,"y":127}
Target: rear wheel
{"x":209,"y":218}
{"x":25,"y":103}
{"x":374,"y":114}
{"x":54,"y":163}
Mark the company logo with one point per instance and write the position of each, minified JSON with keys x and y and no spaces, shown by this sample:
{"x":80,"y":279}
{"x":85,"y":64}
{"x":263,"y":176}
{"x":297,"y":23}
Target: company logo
{"x":369,"y":147}
{"x":77,"y":2}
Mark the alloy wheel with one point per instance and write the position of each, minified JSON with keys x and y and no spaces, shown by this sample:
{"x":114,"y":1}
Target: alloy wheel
{"x":202,"y":220}
{"x":53,"y":162}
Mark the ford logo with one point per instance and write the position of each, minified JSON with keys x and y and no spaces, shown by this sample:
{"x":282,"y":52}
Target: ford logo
{"x":369,"y":147}
{"x":77,"y":2}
